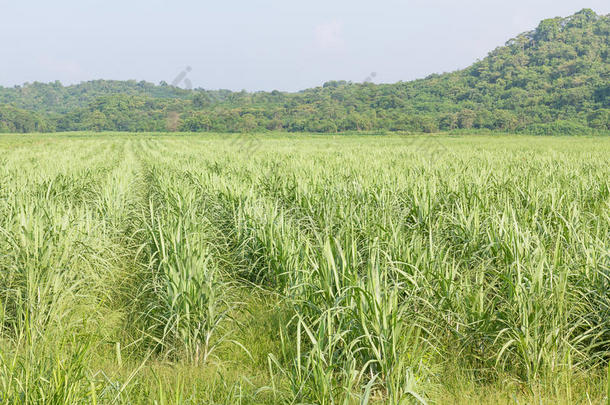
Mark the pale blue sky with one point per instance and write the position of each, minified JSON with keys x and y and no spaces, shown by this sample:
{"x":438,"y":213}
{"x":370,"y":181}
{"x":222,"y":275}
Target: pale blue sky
{"x":258,"y":44}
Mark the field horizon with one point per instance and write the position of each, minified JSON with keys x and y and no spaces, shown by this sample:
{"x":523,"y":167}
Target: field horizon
{"x":426,"y":221}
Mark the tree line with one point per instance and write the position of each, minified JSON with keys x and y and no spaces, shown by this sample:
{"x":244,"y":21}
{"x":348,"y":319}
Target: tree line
{"x":552,"y":80}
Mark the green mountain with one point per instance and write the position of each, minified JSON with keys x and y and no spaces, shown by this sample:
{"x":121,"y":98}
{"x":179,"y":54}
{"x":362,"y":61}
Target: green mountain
{"x":554,"y":79}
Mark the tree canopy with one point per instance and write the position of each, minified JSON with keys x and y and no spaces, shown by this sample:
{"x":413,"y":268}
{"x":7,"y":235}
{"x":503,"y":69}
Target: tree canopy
{"x":552,"y":80}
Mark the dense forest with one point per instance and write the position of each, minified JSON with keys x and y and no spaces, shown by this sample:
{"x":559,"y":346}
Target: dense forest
{"x":552,"y":80}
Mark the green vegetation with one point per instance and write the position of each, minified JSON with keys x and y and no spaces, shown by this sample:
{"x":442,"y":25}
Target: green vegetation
{"x":304,"y":269}
{"x":553,"y":80}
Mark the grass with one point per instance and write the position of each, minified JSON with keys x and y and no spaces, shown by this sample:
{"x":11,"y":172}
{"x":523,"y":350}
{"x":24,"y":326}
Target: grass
{"x":304,"y":269}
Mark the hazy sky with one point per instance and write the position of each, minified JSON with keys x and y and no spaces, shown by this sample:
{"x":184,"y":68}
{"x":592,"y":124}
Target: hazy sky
{"x":258,"y":44}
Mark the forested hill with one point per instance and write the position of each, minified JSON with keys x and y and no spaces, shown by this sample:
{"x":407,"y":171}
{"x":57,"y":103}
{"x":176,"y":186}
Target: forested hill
{"x":554,"y":79}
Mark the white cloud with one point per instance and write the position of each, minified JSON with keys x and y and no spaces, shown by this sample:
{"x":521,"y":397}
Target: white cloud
{"x":329,"y":36}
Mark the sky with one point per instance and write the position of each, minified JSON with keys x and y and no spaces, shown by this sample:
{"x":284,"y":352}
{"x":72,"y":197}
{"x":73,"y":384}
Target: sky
{"x":258,"y":44}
